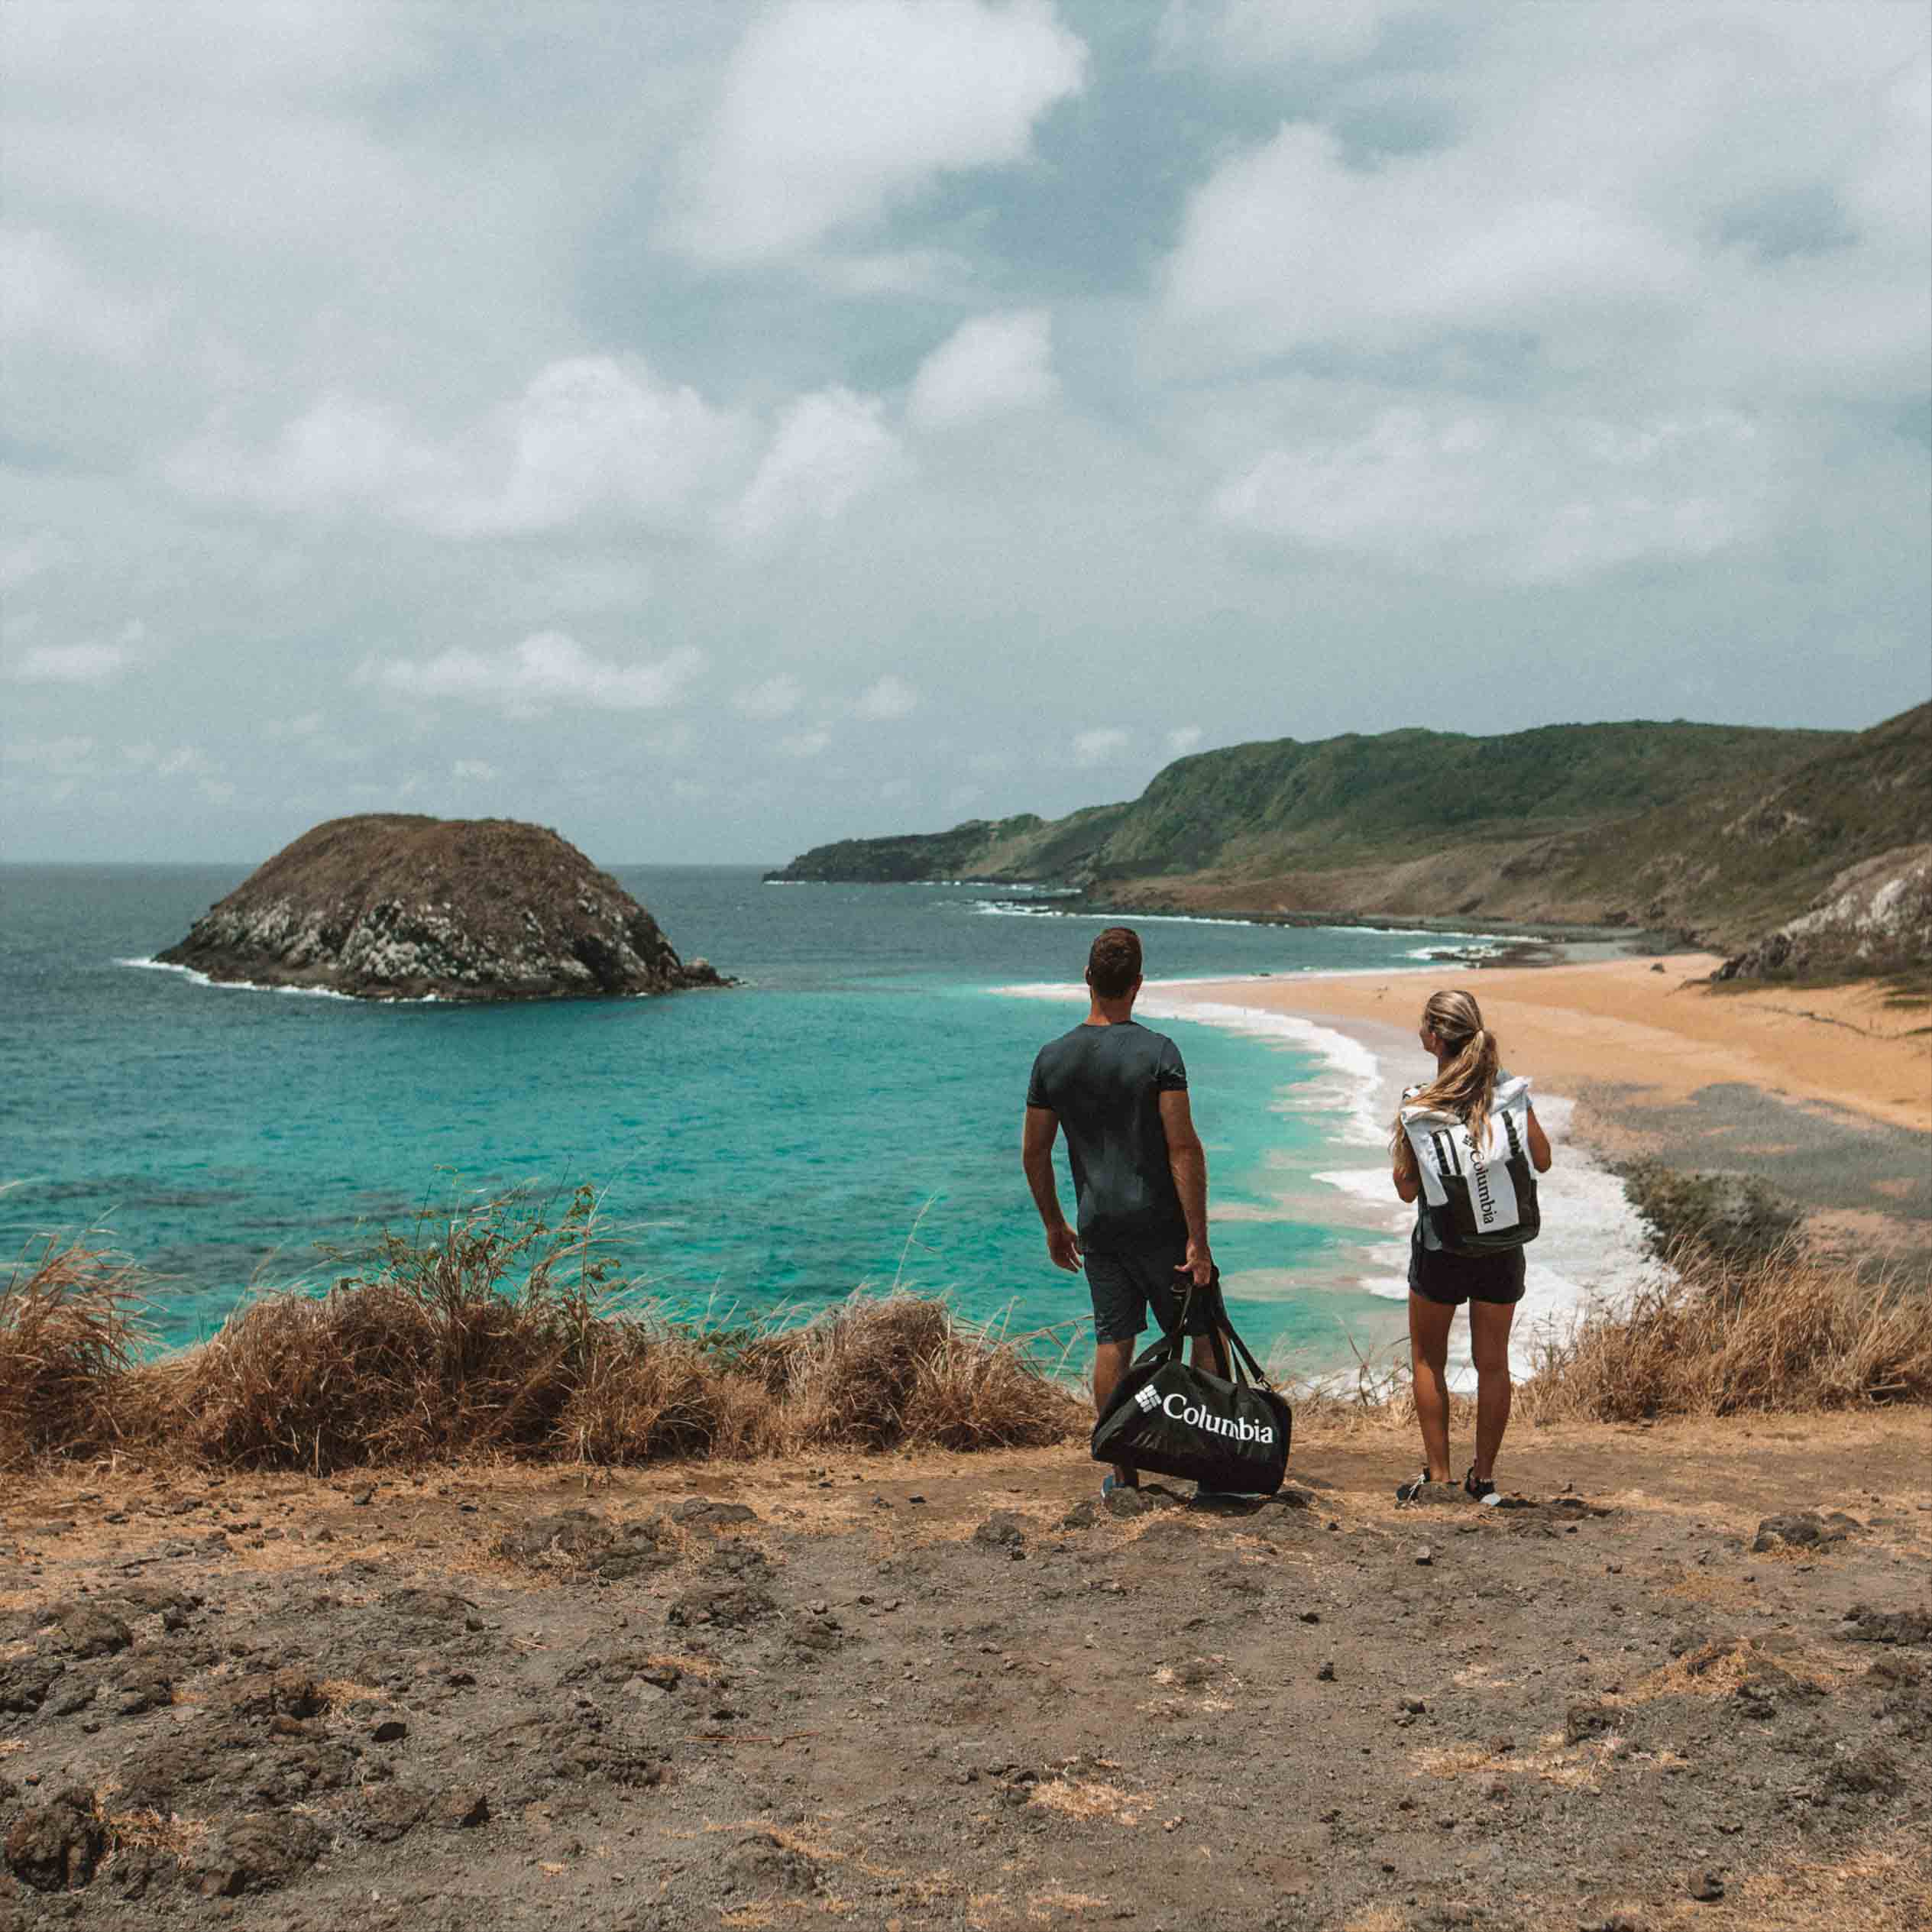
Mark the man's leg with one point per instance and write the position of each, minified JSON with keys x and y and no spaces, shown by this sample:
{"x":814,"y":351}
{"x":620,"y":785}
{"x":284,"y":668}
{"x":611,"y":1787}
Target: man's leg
{"x":1489,"y":1342}
{"x":1119,"y":1315}
{"x":1428,"y":1360}
{"x":1110,"y":1364}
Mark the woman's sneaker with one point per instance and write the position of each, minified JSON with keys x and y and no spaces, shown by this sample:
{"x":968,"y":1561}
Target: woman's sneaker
{"x":1481,"y":1488}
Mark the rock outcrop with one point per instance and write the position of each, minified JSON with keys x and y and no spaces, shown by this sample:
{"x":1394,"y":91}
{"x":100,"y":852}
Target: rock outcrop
{"x":1875,"y":918}
{"x":390,"y":905}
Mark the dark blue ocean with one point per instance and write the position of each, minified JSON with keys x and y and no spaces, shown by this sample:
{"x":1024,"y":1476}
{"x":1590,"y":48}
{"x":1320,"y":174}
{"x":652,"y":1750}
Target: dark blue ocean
{"x":849,"y":1115}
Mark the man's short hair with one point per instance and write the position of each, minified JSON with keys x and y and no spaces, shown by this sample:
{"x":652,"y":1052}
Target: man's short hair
{"x":1115,"y":962}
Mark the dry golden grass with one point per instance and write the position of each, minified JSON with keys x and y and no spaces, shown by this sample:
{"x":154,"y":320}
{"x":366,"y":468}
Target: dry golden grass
{"x":1795,"y":1329}
{"x":69,"y":1327}
{"x":177,"y":1836}
{"x":494,"y":1333}
{"x":1791,"y":1329}
{"x":1718,"y":1669}
{"x":1090,"y":1801}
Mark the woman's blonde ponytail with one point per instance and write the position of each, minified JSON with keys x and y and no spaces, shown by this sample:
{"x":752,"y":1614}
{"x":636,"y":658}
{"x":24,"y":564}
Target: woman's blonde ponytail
{"x":1466,"y":1084}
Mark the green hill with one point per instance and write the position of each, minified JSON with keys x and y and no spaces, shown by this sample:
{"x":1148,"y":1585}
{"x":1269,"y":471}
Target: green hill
{"x":1743,"y":853}
{"x":1718,"y":830}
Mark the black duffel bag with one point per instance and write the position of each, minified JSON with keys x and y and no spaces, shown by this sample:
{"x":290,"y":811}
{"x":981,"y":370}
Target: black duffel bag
{"x":1173,"y":1419}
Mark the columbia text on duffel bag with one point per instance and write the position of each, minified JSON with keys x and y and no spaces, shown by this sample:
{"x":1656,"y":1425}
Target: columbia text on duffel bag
{"x":1173,"y":1419}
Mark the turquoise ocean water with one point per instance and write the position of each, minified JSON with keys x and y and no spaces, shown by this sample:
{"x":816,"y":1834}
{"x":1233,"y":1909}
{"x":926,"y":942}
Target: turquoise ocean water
{"x":850,"y":1114}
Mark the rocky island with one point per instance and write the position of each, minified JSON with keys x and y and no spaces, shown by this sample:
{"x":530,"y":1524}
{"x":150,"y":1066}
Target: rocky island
{"x":397,"y":905}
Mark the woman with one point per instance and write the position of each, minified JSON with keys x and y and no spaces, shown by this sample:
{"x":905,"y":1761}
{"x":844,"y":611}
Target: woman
{"x":1463,"y":1146}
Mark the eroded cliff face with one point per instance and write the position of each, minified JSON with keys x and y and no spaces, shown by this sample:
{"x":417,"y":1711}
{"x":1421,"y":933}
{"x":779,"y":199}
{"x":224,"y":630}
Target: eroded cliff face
{"x":390,"y":906}
{"x":1875,"y":918}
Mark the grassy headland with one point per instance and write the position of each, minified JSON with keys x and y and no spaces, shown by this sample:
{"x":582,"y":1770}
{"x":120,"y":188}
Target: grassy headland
{"x":1711,"y":830}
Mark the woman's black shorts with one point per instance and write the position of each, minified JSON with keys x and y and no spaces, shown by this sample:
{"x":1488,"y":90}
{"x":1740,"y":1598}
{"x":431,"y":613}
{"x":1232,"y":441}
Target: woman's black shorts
{"x":1455,"y":1278}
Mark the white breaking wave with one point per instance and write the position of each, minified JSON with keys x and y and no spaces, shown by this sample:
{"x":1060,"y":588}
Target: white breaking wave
{"x":255,"y":986}
{"x":1002,"y":909}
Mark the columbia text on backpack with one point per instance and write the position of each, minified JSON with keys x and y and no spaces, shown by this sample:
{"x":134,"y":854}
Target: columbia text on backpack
{"x":1478,"y":1200}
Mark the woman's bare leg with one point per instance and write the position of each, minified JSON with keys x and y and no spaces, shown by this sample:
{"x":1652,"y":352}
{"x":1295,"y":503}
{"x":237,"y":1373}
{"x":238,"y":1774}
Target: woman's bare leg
{"x":1489,"y":1342}
{"x":1428,"y":1357}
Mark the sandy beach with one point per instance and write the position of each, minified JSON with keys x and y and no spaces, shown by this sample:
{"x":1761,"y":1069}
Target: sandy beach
{"x":1826,"y":1092}
{"x":1649,"y":1026}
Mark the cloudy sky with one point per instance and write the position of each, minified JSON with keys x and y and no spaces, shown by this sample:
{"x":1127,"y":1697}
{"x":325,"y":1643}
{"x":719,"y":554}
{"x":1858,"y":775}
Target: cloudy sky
{"x":709,"y":428}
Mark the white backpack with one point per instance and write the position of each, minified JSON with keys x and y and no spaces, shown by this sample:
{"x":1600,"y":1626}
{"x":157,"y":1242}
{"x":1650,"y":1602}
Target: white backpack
{"x":1478,"y":1200}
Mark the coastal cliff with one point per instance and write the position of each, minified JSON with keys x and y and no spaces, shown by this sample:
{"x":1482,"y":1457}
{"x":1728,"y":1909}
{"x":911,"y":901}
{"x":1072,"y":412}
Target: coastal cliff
{"x":392,"y":905}
{"x":1719,"y":832}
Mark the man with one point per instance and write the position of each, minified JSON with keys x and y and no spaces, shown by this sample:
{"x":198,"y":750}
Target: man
{"x":1140,"y":1173}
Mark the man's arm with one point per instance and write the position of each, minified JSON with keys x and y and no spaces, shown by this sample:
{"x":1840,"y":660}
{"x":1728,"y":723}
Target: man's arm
{"x":1037,"y":1156}
{"x":1540,"y":1156}
{"x":1187,"y":1160}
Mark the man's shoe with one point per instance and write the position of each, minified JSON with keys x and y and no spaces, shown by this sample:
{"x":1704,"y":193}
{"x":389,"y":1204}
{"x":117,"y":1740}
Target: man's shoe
{"x":1110,"y":1482}
{"x":1420,"y":1489}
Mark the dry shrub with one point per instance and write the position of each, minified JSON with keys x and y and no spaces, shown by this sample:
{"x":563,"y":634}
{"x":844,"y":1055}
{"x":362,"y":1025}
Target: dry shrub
{"x":903,"y":1369}
{"x":639,"y":1397}
{"x":69,"y":1327}
{"x":1791,"y":1328}
{"x":493,"y":1332}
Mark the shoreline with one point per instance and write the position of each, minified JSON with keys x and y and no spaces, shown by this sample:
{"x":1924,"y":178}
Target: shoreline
{"x":1824,"y":1094}
{"x":1594,"y":1251}
{"x":1654,"y":1027}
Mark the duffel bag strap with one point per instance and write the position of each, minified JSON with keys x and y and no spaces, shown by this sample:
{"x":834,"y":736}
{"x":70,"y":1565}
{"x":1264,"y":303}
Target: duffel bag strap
{"x":1240,"y":1353}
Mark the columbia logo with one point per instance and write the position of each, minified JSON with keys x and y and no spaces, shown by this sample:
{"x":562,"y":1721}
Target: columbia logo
{"x":1148,"y":1399}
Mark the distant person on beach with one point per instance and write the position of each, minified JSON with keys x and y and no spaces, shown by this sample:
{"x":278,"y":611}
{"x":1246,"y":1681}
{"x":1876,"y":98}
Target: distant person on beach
{"x":1140,"y":1173}
{"x":1466,"y":1148}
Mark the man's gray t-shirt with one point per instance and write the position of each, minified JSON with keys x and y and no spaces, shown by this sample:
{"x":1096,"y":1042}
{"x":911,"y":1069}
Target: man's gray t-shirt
{"x":1105,"y":1083}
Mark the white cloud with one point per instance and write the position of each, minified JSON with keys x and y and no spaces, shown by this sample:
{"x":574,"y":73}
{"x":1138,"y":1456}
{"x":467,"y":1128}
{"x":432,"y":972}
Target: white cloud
{"x":1234,"y":34}
{"x":775,"y":697}
{"x":66,"y":756}
{"x":1715,"y":197}
{"x":466,"y":769}
{"x":25,"y":558}
{"x":185,"y":761}
{"x":73,"y":664}
{"x":806,"y":744}
{"x":1289,"y":245}
{"x":1527,"y":499}
{"x":93,"y":663}
{"x":891,"y":697}
{"x":833,"y":111}
{"x":1184,"y":739}
{"x":829,"y":448}
{"x":547,"y":670}
{"x":308,"y":724}
{"x":587,"y":436}
{"x":987,"y":365}
{"x":1101,"y":745}
{"x":306,"y":45}
{"x":52,"y":298}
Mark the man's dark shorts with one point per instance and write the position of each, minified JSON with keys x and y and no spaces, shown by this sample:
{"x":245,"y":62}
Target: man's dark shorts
{"x":1129,"y":1286}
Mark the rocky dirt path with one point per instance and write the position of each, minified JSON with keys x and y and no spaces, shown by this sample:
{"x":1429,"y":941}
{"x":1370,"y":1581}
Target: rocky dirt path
{"x":956,"y":1693}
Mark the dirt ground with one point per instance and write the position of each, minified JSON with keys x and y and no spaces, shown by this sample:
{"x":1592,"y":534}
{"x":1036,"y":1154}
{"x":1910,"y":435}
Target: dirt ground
{"x":957,"y":1692}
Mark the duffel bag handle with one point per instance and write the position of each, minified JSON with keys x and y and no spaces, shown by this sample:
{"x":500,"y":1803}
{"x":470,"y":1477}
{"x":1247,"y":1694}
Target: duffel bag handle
{"x":1236,"y":1354}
